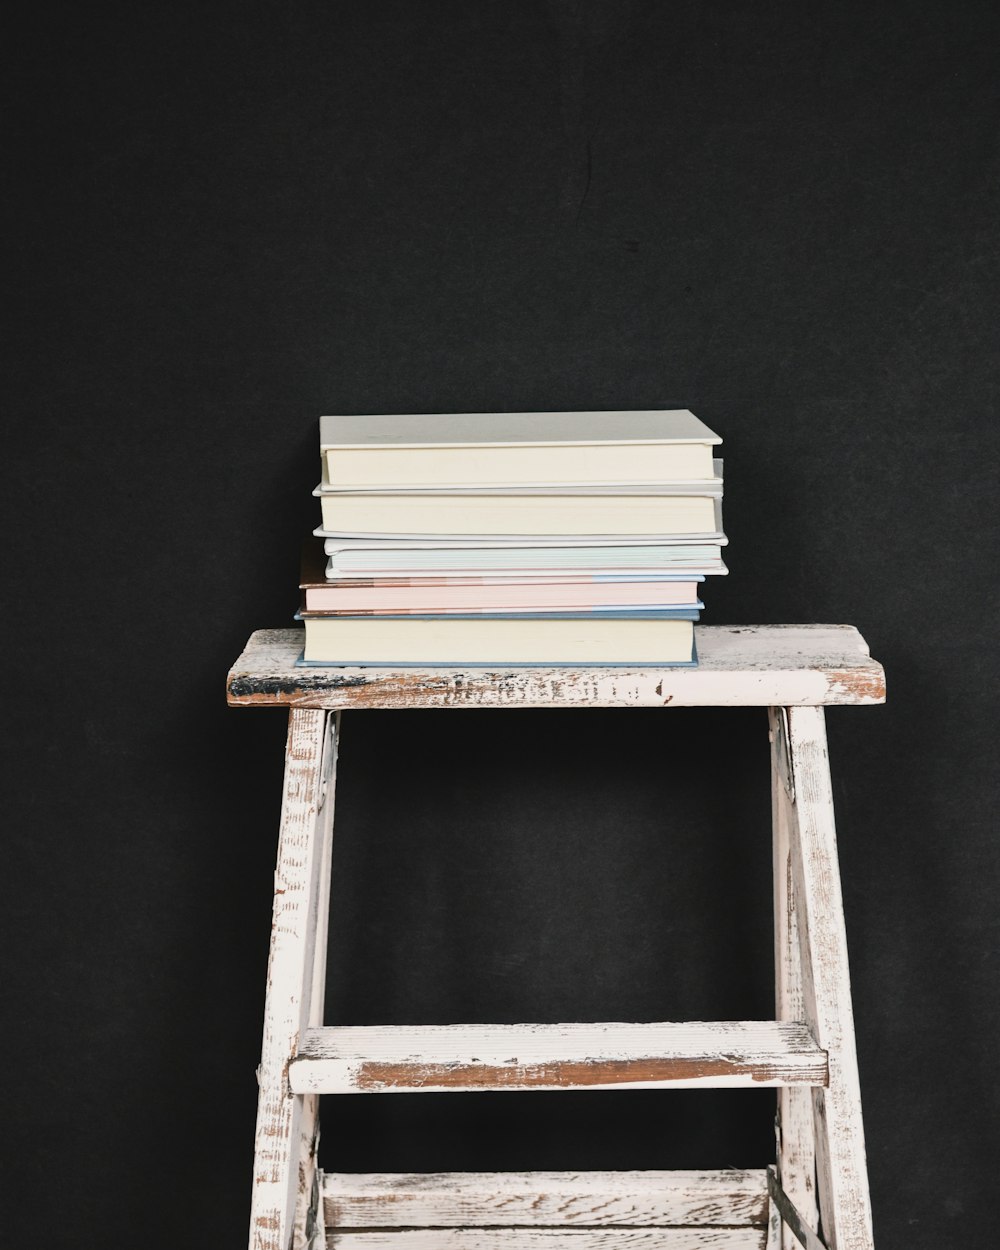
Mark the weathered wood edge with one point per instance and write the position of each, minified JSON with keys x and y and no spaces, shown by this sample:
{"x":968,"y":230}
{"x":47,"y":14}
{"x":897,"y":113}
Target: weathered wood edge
{"x":396,"y":1058}
{"x":743,"y":1237}
{"x":795,"y":1144}
{"x":284,"y":1155}
{"x":791,"y":1218}
{"x":553,"y":1199}
{"x":842,"y":1176}
{"x":798,"y":681}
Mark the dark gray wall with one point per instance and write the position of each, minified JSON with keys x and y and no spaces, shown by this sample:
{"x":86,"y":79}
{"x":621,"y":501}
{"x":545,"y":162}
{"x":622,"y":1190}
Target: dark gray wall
{"x":235,"y":220}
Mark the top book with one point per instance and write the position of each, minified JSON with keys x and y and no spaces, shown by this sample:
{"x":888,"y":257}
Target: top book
{"x":469,"y":449}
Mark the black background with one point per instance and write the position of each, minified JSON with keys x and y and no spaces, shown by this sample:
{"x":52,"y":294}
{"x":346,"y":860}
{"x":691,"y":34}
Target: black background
{"x":780,"y":215}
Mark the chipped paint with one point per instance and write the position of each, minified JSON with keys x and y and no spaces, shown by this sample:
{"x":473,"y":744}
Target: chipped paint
{"x":576,"y":1200}
{"x":373,"y":1075}
{"x":766,"y":665}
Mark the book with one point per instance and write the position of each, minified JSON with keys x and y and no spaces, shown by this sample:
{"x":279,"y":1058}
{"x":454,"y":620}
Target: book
{"x":514,"y":514}
{"x":477,"y":594}
{"x":516,"y":449}
{"x":694,"y":486}
{"x":420,"y":599}
{"x":562,"y":542}
{"x":408,"y":642}
{"x":386,"y":559}
{"x":532,"y":577}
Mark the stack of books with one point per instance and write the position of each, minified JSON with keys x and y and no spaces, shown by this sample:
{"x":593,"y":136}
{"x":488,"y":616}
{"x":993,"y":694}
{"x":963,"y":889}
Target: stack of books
{"x":505,"y":539}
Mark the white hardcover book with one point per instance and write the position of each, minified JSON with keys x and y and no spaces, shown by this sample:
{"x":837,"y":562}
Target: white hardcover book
{"x":525,"y":574}
{"x":412,"y":542}
{"x":696,"y":486}
{"x":507,"y":514}
{"x":409,"y":641}
{"x":459,"y":536}
{"x":516,"y":448}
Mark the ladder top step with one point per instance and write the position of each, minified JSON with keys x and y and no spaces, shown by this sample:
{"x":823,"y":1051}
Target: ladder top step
{"x":748,"y":665}
{"x":404,"y":1058}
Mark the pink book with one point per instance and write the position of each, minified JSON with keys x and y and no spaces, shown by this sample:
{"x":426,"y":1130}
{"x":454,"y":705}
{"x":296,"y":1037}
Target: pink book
{"x":509,"y":597}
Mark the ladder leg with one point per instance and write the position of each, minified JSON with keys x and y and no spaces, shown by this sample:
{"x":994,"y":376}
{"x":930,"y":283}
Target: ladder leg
{"x":776,"y":1230}
{"x":283,"y":1215}
{"x":796,"y":1152}
{"x":844,"y":1203}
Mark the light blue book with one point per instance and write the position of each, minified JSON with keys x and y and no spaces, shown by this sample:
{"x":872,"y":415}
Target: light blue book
{"x":703,"y":558}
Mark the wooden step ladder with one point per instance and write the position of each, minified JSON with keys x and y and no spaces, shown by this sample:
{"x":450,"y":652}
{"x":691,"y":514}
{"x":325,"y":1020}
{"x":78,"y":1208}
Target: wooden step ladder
{"x":816,"y":1194}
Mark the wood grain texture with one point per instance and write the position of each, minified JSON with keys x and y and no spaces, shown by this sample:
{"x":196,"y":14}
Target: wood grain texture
{"x":795,"y":1153}
{"x":578,"y":1199}
{"x":284,"y":1158}
{"x":845,"y":1209}
{"x":308,"y":1228}
{"x":551,"y":1239}
{"x":399,"y":1058}
{"x":753,"y":665}
{"x":775,"y":1227}
{"x":784,"y":1212}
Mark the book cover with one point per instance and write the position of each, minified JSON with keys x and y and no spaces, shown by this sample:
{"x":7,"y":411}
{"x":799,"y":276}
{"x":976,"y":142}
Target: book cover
{"x":504,"y":429}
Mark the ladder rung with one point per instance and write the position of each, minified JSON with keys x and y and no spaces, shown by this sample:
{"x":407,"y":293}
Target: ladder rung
{"x":748,"y":1238}
{"x":391,"y":1058}
{"x":549,"y":1199}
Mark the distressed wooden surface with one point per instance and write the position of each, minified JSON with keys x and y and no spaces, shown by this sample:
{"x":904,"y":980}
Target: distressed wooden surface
{"x":398,"y":1058}
{"x":752,"y":665}
{"x":309,"y":1207}
{"x":775,"y":1227}
{"x":795,"y":1153}
{"x":284,"y":1158}
{"x":845,"y":1210}
{"x":300,"y":1059}
{"x":579,"y":1199}
{"x":784,"y":1213}
{"x":551,"y":1239}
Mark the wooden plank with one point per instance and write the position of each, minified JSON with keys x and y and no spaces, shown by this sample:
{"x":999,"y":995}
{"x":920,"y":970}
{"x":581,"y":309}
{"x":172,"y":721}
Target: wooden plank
{"x":284,"y":1158}
{"x":401,"y":1058}
{"x":551,"y":1239}
{"x":844,"y":1203}
{"x":581,"y":1199}
{"x":751,"y":665}
{"x":309,"y":1205}
{"x":796,"y":1154}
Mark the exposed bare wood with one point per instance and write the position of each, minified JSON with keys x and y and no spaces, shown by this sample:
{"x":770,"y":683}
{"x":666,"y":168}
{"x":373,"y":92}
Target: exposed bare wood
{"x":398,"y":1058}
{"x":747,"y":1238}
{"x":752,"y":665}
{"x":284,"y":1161}
{"x":796,"y":1154}
{"x":844,"y":1204}
{"x":578,"y":1199}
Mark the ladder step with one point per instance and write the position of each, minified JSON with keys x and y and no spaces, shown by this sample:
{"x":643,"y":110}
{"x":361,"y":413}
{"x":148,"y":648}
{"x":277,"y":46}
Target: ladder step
{"x":747,"y":1238}
{"x":433,"y":1058}
{"x":551,"y":1199}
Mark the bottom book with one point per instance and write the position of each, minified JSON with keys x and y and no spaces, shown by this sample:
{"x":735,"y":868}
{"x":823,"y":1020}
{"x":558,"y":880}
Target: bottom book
{"x":407,"y":642}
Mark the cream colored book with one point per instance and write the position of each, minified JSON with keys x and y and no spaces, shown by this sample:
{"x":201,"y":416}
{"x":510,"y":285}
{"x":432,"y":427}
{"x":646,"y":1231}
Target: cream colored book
{"x":487,"y":641}
{"x":508,"y":514}
{"x":472,"y":449}
{"x":694,"y":486}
